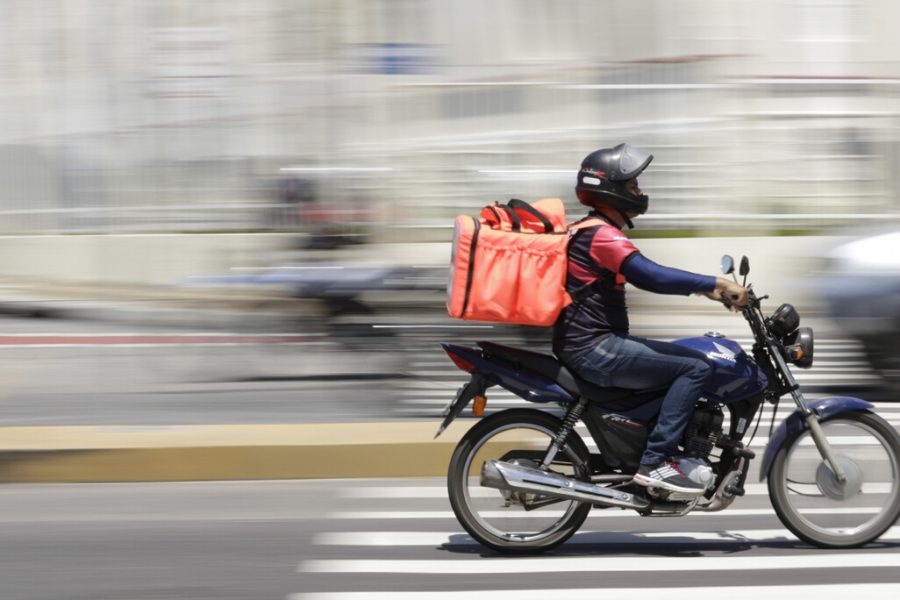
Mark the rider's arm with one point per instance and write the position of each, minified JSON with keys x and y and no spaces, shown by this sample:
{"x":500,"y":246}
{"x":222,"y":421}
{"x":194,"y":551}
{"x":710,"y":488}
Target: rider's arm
{"x":647,"y":275}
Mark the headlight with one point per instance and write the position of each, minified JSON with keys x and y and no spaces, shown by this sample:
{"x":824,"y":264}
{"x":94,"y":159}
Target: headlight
{"x":798,"y":348}
{"x":783,"y":321}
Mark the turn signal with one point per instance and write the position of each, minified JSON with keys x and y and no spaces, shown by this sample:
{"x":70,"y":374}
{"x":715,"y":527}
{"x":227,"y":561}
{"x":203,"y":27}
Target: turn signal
{"x":478,"y":405}
{"x":794,"y":353}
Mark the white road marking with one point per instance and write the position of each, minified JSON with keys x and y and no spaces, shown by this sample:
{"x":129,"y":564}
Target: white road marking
{"x":409,"y":492}
{"x":870,"y":591}
{"x":800,"y":377}
{"x":600,"y":513}
{"x":414,"y":492}
{"x":457,"y":538}
{"x":606,"y":564}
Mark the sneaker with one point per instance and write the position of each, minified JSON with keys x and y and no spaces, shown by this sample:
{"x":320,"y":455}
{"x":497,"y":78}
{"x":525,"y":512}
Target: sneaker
{"x":668,"y":476}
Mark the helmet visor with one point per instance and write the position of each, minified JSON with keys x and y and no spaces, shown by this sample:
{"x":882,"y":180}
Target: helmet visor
{"x":632,"y":162}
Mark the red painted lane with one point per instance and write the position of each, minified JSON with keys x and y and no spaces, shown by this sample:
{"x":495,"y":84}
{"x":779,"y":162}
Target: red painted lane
{"x":52,"y":339}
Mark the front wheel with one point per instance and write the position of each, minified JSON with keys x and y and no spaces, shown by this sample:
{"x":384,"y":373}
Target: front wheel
{"x":824,"y":512}
{"x":514,"y":522}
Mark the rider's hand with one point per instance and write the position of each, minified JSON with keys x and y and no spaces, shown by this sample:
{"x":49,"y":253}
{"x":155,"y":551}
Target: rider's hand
{"x":738,"y":294}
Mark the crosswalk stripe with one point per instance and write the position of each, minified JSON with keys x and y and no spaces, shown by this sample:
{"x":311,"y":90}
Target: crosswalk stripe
{"x":420,"y":492}
{"x":436,"y":538}
{"x":594,"y":514}
{"x":457,"y":538}
{"x":409,"y":492}
{"x":870,"y":591}
{"x":606,"y":564}
{"x":800,"y":377}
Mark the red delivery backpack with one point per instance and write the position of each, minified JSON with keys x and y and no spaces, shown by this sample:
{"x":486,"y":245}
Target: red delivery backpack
{"x":509,"y":265}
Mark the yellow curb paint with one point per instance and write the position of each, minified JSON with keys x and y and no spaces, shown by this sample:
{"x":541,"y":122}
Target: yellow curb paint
{"x":197,"y":453}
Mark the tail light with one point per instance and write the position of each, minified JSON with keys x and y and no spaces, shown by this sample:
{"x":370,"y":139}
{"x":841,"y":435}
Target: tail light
{"x":460,"y":362}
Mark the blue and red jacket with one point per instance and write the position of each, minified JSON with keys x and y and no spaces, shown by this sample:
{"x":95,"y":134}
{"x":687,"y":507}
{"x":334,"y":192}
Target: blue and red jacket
{"x":603,"y":256}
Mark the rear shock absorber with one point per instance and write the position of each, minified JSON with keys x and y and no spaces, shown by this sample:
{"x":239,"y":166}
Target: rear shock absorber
{"x":573,"y":414}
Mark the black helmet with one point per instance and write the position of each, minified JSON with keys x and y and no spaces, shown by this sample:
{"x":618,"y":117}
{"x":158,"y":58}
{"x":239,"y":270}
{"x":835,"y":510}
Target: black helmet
{"x":604,"y":171}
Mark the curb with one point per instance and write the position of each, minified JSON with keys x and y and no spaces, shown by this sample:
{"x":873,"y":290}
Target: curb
{"x":225,"y":452}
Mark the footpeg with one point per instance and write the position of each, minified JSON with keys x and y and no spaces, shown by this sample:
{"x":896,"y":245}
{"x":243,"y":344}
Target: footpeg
{"x":743,"y":452}
{"x":735,"y":490}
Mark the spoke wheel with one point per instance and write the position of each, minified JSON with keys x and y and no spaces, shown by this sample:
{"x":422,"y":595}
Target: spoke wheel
{"x":497,"y":518}
{"x":828,"y":513}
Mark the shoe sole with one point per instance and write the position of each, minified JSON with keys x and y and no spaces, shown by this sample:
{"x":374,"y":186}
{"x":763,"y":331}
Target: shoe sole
{"x":647,"y":482}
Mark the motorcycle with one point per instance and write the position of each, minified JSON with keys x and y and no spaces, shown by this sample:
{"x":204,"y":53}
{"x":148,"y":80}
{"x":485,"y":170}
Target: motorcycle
{"x":522,"y":481}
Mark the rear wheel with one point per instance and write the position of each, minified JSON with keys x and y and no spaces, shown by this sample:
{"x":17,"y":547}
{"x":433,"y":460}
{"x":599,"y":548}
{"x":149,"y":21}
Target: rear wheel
{"x":498,"y":518}
{"x":824,"y":512}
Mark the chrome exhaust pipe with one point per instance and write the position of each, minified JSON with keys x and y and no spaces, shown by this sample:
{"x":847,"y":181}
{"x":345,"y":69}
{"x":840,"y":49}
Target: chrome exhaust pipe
{"x":521,"y":478}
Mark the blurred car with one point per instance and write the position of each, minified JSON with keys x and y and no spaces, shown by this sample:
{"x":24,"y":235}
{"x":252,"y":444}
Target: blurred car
{"x":862,"y":292}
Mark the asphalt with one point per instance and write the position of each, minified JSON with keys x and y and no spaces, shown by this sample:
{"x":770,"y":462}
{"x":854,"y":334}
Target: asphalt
{"x":209,"y":452}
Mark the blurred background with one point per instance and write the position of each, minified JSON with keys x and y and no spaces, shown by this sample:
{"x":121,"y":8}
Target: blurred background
{"x":320,"y":149}
{"x":383,"y":119}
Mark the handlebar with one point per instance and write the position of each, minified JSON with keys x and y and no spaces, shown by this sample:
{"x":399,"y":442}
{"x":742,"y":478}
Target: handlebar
{"x":754,"y":302}
{"x":726,"y":301}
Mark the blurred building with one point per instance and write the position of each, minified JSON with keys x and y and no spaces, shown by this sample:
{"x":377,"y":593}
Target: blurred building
{"x":191,"y":116}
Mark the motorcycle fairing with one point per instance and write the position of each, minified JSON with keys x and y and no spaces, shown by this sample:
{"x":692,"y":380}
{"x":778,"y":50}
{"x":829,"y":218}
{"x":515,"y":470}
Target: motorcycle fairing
{"x":825,"y":408}
{"x":736,"y":376}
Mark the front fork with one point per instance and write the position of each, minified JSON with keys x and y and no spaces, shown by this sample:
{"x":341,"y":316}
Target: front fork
{"x":810,"y":417}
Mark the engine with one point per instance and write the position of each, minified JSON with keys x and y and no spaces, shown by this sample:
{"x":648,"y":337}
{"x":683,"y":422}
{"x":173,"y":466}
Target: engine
{"x":703,"y":430}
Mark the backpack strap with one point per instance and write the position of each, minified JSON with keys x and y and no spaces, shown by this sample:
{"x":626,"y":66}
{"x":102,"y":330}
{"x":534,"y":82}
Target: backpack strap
{"x":586,"y":224}
{"x":590,"y":289}
{"x":522,"y":205}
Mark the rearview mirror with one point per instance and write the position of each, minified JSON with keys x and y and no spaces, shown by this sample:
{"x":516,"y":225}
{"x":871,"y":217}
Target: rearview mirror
{"x":727,"y":265}
{"x":745,"y":266}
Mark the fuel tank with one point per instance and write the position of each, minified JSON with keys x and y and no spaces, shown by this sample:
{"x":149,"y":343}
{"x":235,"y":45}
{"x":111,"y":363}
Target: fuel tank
{"x":736,"y":376}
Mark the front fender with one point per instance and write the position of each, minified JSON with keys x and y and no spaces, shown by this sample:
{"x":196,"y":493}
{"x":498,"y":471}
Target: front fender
{"x":825,"y":408}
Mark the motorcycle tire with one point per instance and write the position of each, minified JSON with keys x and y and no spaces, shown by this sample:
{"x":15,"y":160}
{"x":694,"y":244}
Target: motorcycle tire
{"x":823,"y":512}
{"x":498,"y":519}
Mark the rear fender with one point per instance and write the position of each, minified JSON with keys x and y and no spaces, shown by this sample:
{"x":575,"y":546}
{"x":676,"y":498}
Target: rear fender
{"x":825,"y":408}
{"x":496,"y":371}
{"x":522,"y":382}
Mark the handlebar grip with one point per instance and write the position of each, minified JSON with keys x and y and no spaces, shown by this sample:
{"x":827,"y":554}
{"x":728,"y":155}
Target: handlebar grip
{"x":726,"y":300}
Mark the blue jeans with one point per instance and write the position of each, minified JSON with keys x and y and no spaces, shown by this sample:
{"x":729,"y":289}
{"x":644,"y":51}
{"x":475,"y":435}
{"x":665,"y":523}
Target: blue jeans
{"x":625,"y":361}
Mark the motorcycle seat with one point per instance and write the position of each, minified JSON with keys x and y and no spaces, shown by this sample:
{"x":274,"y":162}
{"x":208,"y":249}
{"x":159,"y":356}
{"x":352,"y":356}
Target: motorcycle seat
{"x":550,"y":367}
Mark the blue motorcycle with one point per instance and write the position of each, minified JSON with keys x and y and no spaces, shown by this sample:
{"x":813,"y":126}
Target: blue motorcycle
{"x":522,"y":481}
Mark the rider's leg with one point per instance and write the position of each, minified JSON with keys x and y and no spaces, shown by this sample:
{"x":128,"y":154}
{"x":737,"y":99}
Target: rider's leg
{"x":637,"y":363}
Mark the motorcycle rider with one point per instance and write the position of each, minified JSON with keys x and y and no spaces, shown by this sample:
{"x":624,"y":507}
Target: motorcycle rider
{"x":591,"y":334}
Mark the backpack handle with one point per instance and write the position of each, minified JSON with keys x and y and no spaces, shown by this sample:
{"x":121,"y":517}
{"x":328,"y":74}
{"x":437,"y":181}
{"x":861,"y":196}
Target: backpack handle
{"x":516,"y":222}
{"x":516,"y":203}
